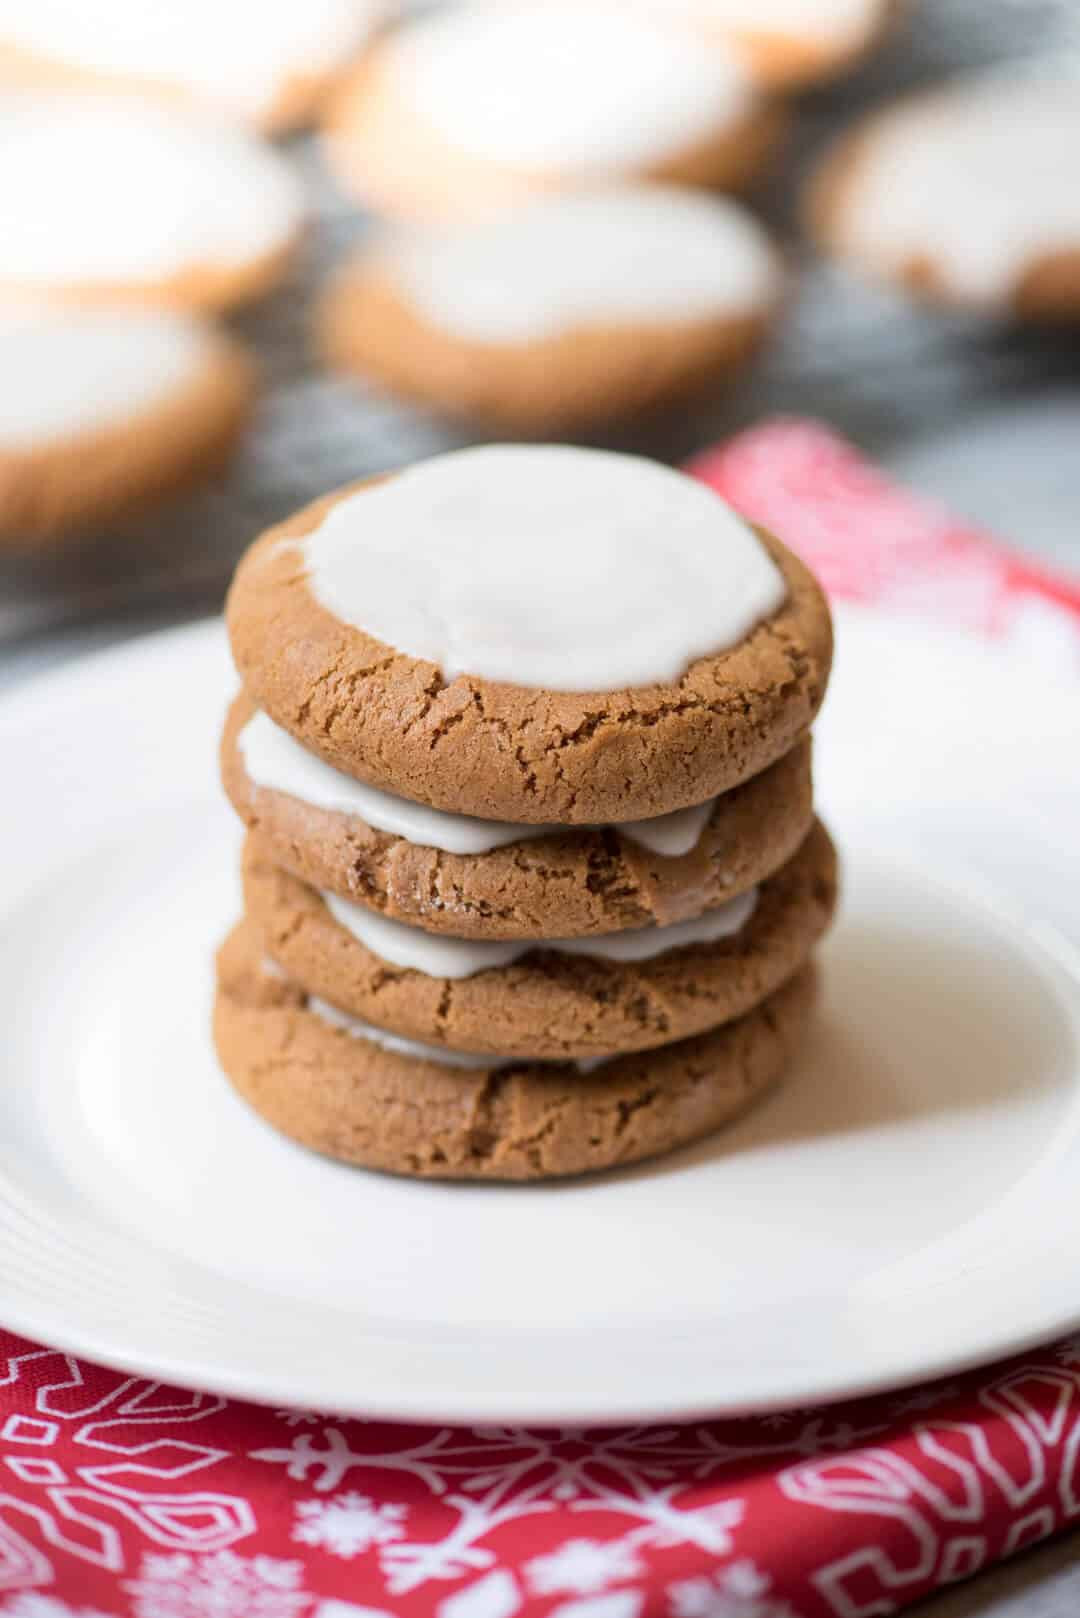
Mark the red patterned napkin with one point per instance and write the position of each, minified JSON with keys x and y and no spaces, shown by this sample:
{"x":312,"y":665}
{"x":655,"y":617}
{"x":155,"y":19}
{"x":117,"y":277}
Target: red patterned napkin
{"x":119,"y":1496}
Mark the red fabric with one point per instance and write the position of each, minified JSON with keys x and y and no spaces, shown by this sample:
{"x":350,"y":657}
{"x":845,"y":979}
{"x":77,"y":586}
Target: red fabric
{"x":122,"y":1497}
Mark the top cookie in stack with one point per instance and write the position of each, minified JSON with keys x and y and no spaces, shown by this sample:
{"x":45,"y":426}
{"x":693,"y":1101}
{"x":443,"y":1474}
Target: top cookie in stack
{"x":522,"y":747}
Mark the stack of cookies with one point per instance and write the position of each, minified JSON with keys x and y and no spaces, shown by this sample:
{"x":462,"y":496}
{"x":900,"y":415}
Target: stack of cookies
{"x":532,"y":876}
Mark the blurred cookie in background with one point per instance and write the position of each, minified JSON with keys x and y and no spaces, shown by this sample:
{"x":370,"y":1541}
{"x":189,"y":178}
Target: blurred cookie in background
{"x":125,"y":199}
{"x":966,"y":195}
{"x":105,"y":412}
{"x":563,"y":312}
{"x":788,"y":44}
{"x":476,"y":106}
{"x":265,"y":62}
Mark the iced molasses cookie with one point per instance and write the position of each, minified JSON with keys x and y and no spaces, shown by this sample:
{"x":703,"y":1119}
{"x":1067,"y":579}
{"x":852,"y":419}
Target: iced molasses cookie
{"x":342,"y":1087}
{"x":531,"y":320}
{"x":105,"y":411}
{"x":965,"y":195}
{"x":537,"y":634}
{"x":553,"y":999}
{"x":473,"y":107}
{"x":112,"y":198}
{"x":267,"y":65}
{"x":787,"y":43}
{"x":494,"y":879}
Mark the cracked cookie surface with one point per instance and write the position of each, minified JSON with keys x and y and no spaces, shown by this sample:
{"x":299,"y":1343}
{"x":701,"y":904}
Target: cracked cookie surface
{"x":492,"y":749}
{"x":548,"y":1005}
{"x":350,"y":1099}
{"x":570,"y":884}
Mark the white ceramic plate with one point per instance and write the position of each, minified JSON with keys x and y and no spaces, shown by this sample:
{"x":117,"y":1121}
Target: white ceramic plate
{"x":904,"y":1205}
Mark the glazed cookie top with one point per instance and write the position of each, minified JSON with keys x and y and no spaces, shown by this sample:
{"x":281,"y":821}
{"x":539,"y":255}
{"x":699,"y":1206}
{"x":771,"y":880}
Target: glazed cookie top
{"x":83,"y":371}
{"x":970,"y":187}
{"x":242,"y":56}
{"x":533,"y":634}
{"x":113,"y":192}
{"x":559,"y":262}
{"x":560,"y":85}
{"x":555,"y":568}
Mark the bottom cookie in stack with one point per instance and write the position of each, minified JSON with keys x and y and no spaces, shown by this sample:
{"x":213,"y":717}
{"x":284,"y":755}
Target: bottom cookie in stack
{"x":354,"y":1092}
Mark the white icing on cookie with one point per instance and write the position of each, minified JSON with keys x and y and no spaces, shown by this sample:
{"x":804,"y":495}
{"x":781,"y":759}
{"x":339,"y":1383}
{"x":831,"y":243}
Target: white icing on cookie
{"x":978,"y":180}
{"x":566,"y":84}
{"x":69,"y":372}
{"x":439,"y":957}
{"x":673,"y":835}
{"x":545,"y":566}
{"x":240,"y":54}
{"x":275,"y":760}
{"x":118,"y":190}
{"x":838,"y":24}
{"x":562,"y":261}
{"x":357,"y":1028}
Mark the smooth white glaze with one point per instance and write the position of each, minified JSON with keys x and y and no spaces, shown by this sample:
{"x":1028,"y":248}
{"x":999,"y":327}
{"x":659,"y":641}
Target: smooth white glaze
{"x":438,"y":957}
{"x":545,"y":566}
{"x":276,"y":761}
{"x":69,"y":372}
{"x":562,"y":261}
{"x":566,"y":84}
{"x":121,"y":189}
{"x":240,"y":54}
{"x":979,"y":181}
{"x":673,"y":835}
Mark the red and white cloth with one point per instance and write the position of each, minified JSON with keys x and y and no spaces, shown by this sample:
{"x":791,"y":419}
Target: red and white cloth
{"x":122,"y":1497}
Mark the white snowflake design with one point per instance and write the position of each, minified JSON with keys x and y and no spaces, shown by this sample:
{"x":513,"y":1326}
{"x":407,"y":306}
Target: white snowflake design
{"x":583,"y":1567}
{"x":223,"y":1585}
{"x":1068,"y":1352}
{"x":31,"y":1604}
{"x":739,"y":1591}
{"x":348,"y":1523}
{"x":489,"y":1477}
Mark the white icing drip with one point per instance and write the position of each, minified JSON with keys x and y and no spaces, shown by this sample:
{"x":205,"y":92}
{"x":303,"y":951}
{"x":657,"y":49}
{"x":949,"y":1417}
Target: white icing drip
{"x":671,"y":835}
{"x":561,"y":261}
{"x":240,"y":55}
{"x":834,"y":23}
{"x":980,"y":180}
{"x":356,"y":1028}
{"x":565,"y":84}
{"x":75,"y":371}
{"x":275,"y":760}
{"x":438,"y":957}
{"x":545,"y":566}
{"x":99,"y":188}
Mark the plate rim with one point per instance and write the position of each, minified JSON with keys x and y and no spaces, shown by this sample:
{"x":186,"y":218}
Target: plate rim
{"x":32,"y":699}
